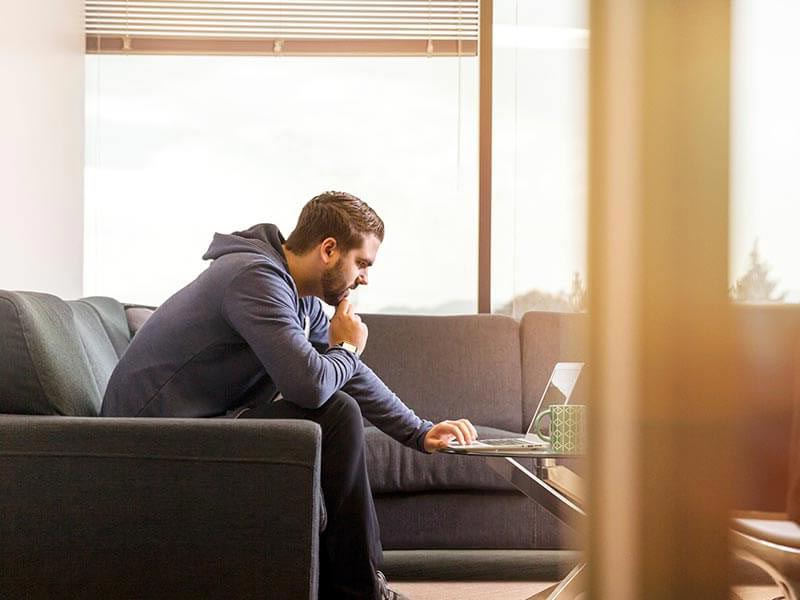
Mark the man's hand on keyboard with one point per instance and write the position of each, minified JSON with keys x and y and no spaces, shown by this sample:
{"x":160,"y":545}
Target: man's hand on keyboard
{"x":441,"y":434}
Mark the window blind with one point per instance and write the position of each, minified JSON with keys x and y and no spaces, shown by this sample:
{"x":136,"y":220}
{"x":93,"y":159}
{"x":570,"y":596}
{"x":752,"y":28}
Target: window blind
{"x":288,"y":27}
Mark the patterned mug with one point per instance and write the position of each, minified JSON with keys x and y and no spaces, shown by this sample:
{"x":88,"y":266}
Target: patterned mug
{"x":567,"y":428}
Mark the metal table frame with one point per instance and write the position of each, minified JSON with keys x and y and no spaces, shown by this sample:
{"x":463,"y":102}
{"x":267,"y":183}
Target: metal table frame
{"x":559,"y":490}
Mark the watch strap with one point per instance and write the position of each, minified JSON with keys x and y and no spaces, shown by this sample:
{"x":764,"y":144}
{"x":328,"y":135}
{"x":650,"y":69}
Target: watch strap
{"x":348,"y":346}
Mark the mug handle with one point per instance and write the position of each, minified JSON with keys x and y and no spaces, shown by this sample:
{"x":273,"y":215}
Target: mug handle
{"x":537,"y":422}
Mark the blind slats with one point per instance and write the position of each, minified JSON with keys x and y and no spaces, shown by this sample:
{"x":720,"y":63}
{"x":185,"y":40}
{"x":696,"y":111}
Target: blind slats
{"x":448,"y":15}
{"x":132,"y":25}
{"x":248,"y":6}
{"x":95,"y":6}
{"x":173,"y":25}
{"x":297,"y":33}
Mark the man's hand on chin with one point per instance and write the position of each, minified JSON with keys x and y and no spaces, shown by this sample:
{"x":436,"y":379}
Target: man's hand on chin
{"x":346,"y":326}
{"x":441,"y":434}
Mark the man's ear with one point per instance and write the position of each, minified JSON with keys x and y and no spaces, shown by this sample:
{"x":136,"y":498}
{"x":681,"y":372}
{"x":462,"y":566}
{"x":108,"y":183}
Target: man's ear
{"x":327,"y":249}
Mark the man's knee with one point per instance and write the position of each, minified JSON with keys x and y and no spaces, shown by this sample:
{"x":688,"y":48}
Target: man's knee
{"x":344,"y":403}
{"x":346,"y":409}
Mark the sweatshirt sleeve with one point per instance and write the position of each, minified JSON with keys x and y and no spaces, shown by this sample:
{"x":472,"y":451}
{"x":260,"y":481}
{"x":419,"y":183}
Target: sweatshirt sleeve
{"x":259,"y":305}
{"x":381,"y":407}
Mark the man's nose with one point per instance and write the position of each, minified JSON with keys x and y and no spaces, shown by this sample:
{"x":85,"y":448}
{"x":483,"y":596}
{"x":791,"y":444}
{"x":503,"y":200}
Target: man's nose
{"x":363,"y":279}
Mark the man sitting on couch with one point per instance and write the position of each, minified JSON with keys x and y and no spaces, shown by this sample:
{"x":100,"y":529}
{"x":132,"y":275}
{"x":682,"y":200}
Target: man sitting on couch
{"x":249,"y":339}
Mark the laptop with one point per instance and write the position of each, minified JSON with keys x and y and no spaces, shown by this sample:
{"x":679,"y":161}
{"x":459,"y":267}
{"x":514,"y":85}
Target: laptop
{"x":558,"y":391}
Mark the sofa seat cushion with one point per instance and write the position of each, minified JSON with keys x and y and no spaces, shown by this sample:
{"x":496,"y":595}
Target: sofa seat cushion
{"x":469,"y":519}
{"x":394,"y":468}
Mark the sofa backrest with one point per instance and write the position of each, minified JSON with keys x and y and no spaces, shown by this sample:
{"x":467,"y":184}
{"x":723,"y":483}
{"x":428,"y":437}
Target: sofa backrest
{"x":441,"y":366}
{"x":56,"y":356}
{"x":766,"y":367}
{"x":448,"y":367}
{"x":547,"y":338}
{"x":488,"y":368}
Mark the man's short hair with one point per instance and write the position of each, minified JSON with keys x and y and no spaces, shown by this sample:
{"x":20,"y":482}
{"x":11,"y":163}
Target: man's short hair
{"x":339,"y":215}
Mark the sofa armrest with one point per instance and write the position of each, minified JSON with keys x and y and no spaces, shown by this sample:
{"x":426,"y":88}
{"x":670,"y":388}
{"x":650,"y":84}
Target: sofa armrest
{"x":107,"y":507}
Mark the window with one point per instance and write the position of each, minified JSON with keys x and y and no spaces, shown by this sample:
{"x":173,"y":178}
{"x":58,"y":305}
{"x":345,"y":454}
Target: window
{"x":765,"y":145}
{"x":539,"y":155}
{"x":182,"y":146}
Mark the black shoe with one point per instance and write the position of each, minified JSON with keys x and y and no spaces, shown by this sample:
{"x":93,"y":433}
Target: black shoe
{"x":386,"y":592}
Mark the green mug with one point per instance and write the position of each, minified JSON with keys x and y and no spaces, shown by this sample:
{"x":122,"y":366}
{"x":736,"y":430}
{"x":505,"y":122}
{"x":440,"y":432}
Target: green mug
{"x":567,"y":428}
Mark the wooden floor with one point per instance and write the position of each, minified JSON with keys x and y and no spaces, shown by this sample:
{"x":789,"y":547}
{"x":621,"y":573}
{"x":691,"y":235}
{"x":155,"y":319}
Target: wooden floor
{"x":521,"y":590}
{"x":468,"y":575}
{"x":512,"y":575}
{"x":758,"y":592}
{"x":469,"y":590}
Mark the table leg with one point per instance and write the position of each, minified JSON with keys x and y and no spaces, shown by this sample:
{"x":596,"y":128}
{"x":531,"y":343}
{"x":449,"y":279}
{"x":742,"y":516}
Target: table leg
{"x":544,"y":594}
{"x":554,"y":499}
{"x":572,"y":587}
{"x":561,"y":492}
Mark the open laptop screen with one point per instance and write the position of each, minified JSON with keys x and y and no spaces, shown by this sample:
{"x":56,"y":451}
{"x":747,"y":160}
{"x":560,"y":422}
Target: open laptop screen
{"x":558,"y":390}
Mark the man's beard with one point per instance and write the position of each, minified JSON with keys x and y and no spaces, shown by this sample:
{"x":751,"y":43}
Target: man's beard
{"x":334,"y":286}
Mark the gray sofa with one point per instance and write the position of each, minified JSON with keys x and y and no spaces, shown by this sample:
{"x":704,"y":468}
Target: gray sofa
{"x":213,"y":507}
{"x":492,"y":370}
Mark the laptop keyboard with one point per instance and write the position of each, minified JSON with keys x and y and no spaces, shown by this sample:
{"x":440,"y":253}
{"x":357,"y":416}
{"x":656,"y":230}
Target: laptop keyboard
{"x":508,"y":442}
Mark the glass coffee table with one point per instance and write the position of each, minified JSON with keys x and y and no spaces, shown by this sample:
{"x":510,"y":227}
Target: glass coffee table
{"x":555,"y":487}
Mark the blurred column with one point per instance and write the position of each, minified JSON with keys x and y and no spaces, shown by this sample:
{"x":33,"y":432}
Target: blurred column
{"x":662,"y":445}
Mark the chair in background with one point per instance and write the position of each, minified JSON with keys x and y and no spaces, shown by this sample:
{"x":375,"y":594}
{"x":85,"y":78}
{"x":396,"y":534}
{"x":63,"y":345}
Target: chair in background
{"x":772,"y":540}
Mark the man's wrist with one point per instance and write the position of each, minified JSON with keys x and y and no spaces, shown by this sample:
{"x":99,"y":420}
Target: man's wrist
{"x":424,"y":437}
{"x":348,"y":346}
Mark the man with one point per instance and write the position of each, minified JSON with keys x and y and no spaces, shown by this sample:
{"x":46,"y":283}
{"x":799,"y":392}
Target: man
{"x":249,"y":339}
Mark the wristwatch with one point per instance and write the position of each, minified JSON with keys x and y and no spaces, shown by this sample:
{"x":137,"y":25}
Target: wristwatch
{"x":348,"y":346}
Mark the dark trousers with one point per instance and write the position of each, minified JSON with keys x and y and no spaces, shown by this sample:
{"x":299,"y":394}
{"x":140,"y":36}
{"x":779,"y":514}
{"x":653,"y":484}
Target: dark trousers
{"x":350,"y":546}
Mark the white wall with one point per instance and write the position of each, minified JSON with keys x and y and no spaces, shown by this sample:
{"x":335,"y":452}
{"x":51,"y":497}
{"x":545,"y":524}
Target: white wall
{"x":41,"y":146}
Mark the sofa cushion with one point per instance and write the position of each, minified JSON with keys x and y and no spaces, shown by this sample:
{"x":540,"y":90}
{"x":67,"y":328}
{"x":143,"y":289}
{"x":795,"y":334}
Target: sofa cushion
{"x":469,"y":519}
{"x":112,"y":318}
{"x":55,"y":356}
{"x":395,"y":468}
{"x":450,"y":367}
{"x":137,"y":315}
{"x":98,"y":350}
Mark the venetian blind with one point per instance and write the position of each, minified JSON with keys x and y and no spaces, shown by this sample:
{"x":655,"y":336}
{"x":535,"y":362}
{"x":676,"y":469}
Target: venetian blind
{"x":288,"y":27}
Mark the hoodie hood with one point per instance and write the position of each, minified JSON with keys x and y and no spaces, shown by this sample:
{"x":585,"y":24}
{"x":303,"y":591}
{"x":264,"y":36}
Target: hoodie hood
{"x":264,"y":238}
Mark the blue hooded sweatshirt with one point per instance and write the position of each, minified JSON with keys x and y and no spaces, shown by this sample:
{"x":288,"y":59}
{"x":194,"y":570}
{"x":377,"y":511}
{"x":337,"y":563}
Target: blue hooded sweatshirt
{"x":237,"y":336}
